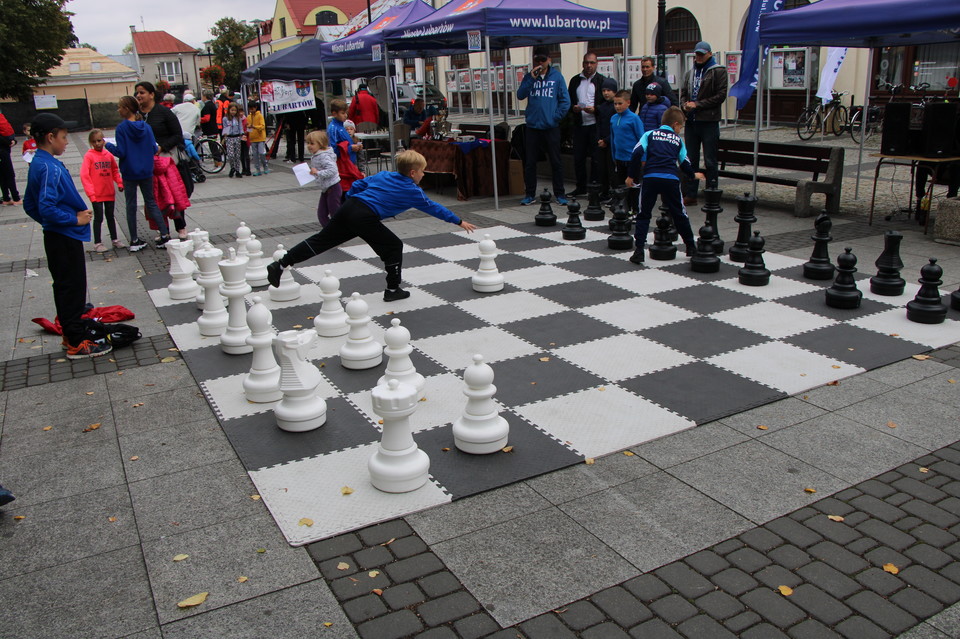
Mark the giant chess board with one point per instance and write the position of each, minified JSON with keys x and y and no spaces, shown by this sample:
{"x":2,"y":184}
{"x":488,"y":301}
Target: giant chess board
{"x":592,"y":355}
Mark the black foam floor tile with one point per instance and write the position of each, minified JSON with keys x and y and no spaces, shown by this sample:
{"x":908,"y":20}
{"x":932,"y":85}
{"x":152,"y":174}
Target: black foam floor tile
{"x":153,"y":281}
{"x":210,"y":362}
{"x":531,"y":227}
{"x":701,"y":392}
{"x":176,"y":314}
{"x":462,"y":290}
{"x":703,"y":337}
{"x":585,"y":292}
{"x":601,"y":246}
{"x":292,"y":317}
{"x":433,"y":321}
{"x":260,"y":443}
{"x":683,"y":268}
{"x":561,"y":329}
{"x":463,"y":474}
{"x":705,"y":298}
{"x":363,"y":284}
{"x":418,"y":258}
{"x":525,"y":243}
{"x":505,"y":262}
{"x":815,"y":302}
{"x":439,"y":240}
{"x":599,"y":266}
{"x":331,"y":257}
{"x":527,"y":379}
{"x":796,"y":273}
{"x":952,"y":313}
{"x":855,"y":345}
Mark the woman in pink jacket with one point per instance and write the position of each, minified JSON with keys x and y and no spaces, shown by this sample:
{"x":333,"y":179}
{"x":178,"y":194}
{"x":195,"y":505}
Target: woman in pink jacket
{"x":98,"y":173}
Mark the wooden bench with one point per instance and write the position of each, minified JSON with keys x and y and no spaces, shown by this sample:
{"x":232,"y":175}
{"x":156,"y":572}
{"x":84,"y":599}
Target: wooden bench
{"x":816,"y":160}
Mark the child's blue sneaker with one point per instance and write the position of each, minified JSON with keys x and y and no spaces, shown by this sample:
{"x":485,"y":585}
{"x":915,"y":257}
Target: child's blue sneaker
{"x":527,"y":200}
{"x":256,"y":173}
{"x":5,"y":496}
{"x":562,"y":201}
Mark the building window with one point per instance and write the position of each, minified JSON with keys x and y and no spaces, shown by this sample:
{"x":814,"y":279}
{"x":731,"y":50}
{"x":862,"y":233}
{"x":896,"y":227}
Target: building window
{"x":326,"y":18}
{"x":681,"y":31}
{"x":934,"y":64}
{"x":460,"y":61}
{"x":96,"y":66}
{"x":283,"y":27}
{"x":74,"y":67}
{"x":608,"y":47}
{"x":169,"y":71}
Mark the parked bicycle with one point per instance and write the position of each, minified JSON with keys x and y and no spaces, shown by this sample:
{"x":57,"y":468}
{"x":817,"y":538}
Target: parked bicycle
{"x":831,"y":114}
{"x":213,"y":157}
{"x":875,"y":114}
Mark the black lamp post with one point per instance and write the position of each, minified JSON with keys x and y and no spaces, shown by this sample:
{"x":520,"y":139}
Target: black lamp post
{"x":661,"y":38}
{"x":257,"y":22}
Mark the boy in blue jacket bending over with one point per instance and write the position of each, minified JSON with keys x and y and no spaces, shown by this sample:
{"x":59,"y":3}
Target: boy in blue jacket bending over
{"x":369,"y":202}
{"x":625,"y":131}
{"x":52,"y":200}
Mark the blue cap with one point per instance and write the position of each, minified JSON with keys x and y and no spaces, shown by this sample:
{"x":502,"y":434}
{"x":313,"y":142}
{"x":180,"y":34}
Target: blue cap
{"x":702,"y":47}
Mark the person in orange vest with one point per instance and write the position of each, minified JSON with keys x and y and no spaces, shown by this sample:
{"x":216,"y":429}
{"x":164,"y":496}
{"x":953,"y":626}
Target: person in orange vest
{"x":223,"y":102}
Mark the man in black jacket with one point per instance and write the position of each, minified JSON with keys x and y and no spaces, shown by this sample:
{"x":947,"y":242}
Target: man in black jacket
{"x":208,"y":124}
{"x":638,"y":96}
{"x":702,"y":95}
{"x":585,"y":96}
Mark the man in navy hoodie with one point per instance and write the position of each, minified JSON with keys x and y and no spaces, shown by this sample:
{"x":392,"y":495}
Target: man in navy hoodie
{"x":547,"y":102}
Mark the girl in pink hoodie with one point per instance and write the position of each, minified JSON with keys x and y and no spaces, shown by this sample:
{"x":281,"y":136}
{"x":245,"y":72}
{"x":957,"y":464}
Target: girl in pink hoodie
{"x":98,"y":173}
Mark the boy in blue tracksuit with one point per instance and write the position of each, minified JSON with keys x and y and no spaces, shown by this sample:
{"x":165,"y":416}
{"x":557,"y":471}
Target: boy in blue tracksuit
{"x":626,"y":129}
{"x":52,"y":200}
{"x":653,"y":109}
{"x":369,"y":202}
{"x":656,"y":156}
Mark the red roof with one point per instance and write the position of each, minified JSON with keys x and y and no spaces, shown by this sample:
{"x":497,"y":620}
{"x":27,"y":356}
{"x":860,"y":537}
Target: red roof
{"x":159,"y":42}
{"x":300,"y":9}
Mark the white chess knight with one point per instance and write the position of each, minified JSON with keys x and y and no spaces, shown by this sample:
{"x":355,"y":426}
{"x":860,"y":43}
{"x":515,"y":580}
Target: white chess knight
{"x":243,"y":236}
{"x":256,"y":266}
{"x":480,"y":430}
{"x":360,"y":351}
{"x":182,"y":286}
{"x":233,"y":340}
{"x":331,"y":321}
{"x":488,"y":279}
{"x":300,"y":409}
{"x":289,"y":288}
{"x":399,"y":365}
{"x":398,"y":465}
{"x":214,"y":319}
{"x":262,"y":384}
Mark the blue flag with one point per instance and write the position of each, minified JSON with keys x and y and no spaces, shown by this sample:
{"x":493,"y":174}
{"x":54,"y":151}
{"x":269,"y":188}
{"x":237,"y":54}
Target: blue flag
{"x":749,"y":68}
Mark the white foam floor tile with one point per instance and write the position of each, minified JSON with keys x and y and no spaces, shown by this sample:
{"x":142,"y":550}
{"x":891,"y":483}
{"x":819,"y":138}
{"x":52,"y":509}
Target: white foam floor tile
{"x":539,"y":276}
{"x":591,"y":235}
{"x":340,"y":270}
{"x":772,"y":319}
{"x":776,"y":262}
{"x":909,"y":292}
{"x":779,"y":287}
{"x":456,"y":350}
{"x":433,"y":273}
{"x":637,"y":314}
{"x":365,"y":252}
{"x":597,"y":422}
{"x":456,"y":253}
{"x":510,"y":307}
{"x":226,"y":396}
{"x":310,"y":488}
{"x":325,"y":347}
{"x":681,"y":258}
{"x":557,"y":254}
{"x":895,"y":321}
{"x":495,"y":233}
{"x":188,"y":337}
{"x":309,"y":296}
{"x":595,"y":223}
{"x":622,"y":356}
{"x":160,"y":297}
{"x":649,"y":281}
{"x":783,"y":366}
{"x":442,"y":402}
{"x":418,"y":299}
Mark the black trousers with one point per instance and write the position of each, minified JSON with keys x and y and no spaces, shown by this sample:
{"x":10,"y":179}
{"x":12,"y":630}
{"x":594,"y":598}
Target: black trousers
{"x":585,"y":154}
{"x":295,"y":141}
{"x":706,"y":134}
{"x":68,"y":267}
{"x":632,"y":203}
{"x":669,"y":193}
{"x":547,"y":140}
{"x":99,"y":209}
{"x":353,"y":219}
{"x":8,"y":179}
{"x":606,"y":171}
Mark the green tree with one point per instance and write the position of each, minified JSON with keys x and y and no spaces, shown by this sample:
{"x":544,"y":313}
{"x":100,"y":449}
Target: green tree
{"x":229,"y":36}
{"x":33,"y":36}
{"x":86,"y":45}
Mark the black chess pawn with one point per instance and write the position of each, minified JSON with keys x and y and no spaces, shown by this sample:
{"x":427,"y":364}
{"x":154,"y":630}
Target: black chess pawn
{"x":705,"y":260}
{"x":594,"y":211}
{"x":574,"y":230}
{"x":754,"y":271}
{"x":927,"y":307}
{"x":955,"y":300}
{"x":746,"y":218}
{"x":713,"y":209}
{"x":617,"y":195}
{"x":662,"y":248}
{"x":820,"y":267}
{"x":844,"y":292}
{"x":887,"y":281}
{"x":620,"y":238}
{"x":545,"y":216}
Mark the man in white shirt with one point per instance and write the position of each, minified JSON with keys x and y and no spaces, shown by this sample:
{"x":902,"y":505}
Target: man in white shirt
{"x":585,"y":96}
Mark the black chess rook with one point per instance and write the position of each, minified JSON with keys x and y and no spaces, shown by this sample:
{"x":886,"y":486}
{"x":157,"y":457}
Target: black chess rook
{"x":594,"y":211}
{"x":844,"y":292}
{"x":926,"y":307}
{"x":746,"y":218}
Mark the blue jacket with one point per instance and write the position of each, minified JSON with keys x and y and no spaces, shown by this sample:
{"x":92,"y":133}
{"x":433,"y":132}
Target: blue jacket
{"x":388,"y":194}
{"x":52,"y":199}
{"x":625,"y":131}
{"x":548,"y":99}
{"x":135,"y":149}
{"x":652,"y":114}
{"x":337,"y":133}
{"x":658,"y":152}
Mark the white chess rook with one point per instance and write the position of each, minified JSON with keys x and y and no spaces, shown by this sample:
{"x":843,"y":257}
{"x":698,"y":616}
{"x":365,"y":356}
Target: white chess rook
{"x":399,"y":365}
{"x":257,"y":266}
{"x":398,"y":465}
{"x":262,"y":384}
{"x":480,"y":430}
{"x":488,"y":279}
{"x":360,"y":351}
{"x":331,"y":321}
{"x":233,"y":341}
{"x":289,"y":289}
{"x":182,"y":286}
{"x":301,"y":409}
{"x":243,"y":236}
{"x":214,"y":319}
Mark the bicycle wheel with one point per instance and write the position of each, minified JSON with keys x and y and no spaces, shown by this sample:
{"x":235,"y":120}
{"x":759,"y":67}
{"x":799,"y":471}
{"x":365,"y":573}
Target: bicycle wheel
{"x":840,"y":120}
{"x":808,"y":123}
{"x":857,"y":128}
{"x":212,"y":155}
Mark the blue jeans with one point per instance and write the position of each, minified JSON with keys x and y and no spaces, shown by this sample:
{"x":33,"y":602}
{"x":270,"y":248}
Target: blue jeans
{"x":149,"y":202}
{"x":707,"y":134}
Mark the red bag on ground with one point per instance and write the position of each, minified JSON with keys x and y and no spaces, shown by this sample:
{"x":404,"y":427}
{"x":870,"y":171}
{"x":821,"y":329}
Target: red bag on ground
{"x":105,"y":314}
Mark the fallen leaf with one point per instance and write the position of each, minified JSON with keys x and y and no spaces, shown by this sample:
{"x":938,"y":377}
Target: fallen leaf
{"x":851,"y":349}
{"x":346,"y":490}
{"x":890,"y":568}
{"x":135,"y":458}
{"x":602,"y":388}
{"x":835,"y":382}
{"x":507,"y":449}
{"x":377,"y":591}
{"x":167,"y":360}
{"x":389,"y":541}
{"x":255,"y":497}
{"x":533,"y":383}
{"x":343,"y":566}
{"x":924,"y":470}
{"x":243,"y":579}
{"x":89,"y":392}
{"x":834,"y":517}
{"x":180,"y":557}
{"x":195,"y":600}
{"x":810,"y":490}
{"x":111,"y":519}
{"x":803,"y":374}
{"x":544,"y":359}
{"x":61,"y":360}
{"x":138,"y":405}
{"x":298,"y":325}
{"x":174,"y":350}
{"x":305,"y":521}
{"x":47,"y":427}
{"x":921,"y":357}
{"x":380,"y":421}
{"x":327,"y":624}
{"x":951,"y":381}
{"x":446,"y":450}
{"x":373,"y":573}
{"x":786,"y":591}
{"x":261,"y":550}
{"x":894,"y":334}
{"x":834,"y":366}
{"x":629,"y":454}
{"x":422,"y":399}
{"x":762,"y":427}
{"x":806,"y":397}
{"x":891,"y":424}
{"x":91,"y":427}
{"x":589,"y":461}
{"x":310,"y":317}
{"x":19,"y":517}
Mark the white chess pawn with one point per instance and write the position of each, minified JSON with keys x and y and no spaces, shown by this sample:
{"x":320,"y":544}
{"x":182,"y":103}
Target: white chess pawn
{"x":398,"y":465}
{"x":480,"y":430}
{"x":360,"y":351}
{"x":300,"y":409}
{"x":214,"y":319}
{"x":262,"y":384}
{"x":243,"y":236}
{"x":399,"y":365}
{"x":488,"y":279}
{"x":256,"y":267}
{"x":289,"y":288}
{"x":331,"y":321}
{"x":182,"y":286}
{"x":233,"y":341}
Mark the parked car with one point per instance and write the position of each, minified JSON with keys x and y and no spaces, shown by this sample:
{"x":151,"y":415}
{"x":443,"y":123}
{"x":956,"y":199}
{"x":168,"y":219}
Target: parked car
{"x":407,"y":92}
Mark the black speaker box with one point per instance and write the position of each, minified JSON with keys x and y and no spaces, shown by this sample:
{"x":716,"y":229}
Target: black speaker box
{"x":940,"y":129}
{"x":896,"y":135}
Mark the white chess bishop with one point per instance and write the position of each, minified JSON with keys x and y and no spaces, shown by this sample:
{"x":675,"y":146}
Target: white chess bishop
{"x":262,"y":384}
{"x":233,"y":340}
{"x":398,"y":465}
{"x":214,"y":319}
{"x":360,"y":351}
{"x":289,"y":289}
{"x":487,"y":279}
{"x":300,"y":409}
{"x":481,"y":430}
{"x":331,"y":321}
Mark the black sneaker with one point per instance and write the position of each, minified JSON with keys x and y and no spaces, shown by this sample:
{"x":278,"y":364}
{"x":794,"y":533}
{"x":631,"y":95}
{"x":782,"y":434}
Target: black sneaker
{"x":392,"y":295}
{"x":136,"y":245}
{"x":691,"y":250}
{"x":637,"y":257}
{"x":274,"y":271}
{"x":5,"y":496}
{"x":88,"y":348}
{"x":162,"y":242}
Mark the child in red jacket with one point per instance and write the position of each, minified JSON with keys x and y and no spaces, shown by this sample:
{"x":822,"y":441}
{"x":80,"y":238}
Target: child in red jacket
{"x":98,"y":173}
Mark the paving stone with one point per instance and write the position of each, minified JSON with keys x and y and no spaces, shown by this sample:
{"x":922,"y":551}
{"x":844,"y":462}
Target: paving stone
{"x":748,"y":560}
{"x":878,"y":508}
{"x":839,"y":557}
{"x":330,"y":570}
{"x":938,"y":481}
{"x":912,"y":468}
{"x":393,"y":626}
{"x":364,"y":608}
{"x":887,"y":534}
{"x":948,"y":468}
{"x":621,"y":606}
{"x":509,"y":633}
{"x":794,"y":532}
{"x":719,"y":605}
{"x":888,"y":477}
{"x":930,"y":513}
{"x":349,"y":587}
{"x":860,"y":628}
{"x":916,"y":603}
{"x":802,"y":514}
{"x":673,"y":609}
{"x":811,"y":629}
{"x":773,"y":607}
{"x":862,"y":545}
{"x":775,"y":576}
{"x":734,"y":581}
{"x":829,"y":579}
{"x":883,"y":555}
{"x":382,"y":533}
{"x":936,"y":537}
{"x":742,"y":621}
{"x":789,"y":556}
{"x":838,"y":532}
{"x":931,"y":583}
{"x":703,"y":626}
{"x":928,"y":556}
{"x":761,"y":539}
{"x":334,"y":547}
{"x":448,"y":608}
{"x":728,"y":546}
{"x":873,"y":488}
{"x":372,"y":557}
{"x":908,"y":523}
{"x":898,"y":498}
{"x":476,"y":626}
{"x":414,"y":567}
{"x":879,"y":581}
{"x":440,"y":584}
{"x":819,"y":605}
{"x":833,"y":506}
{"x":848,"y":494}
{"x":605,"y":631}
{"x":581,"y":614}
{"x":653,"y":629}
{"x":407,"y":547}
{"x":707,"y":562}
{"x":438,"y":633}
{"x":647,"y":587}
{"x":403,"y":596}
{"x":763,"y":631}
{"x":950,"y":504}
{"x":685,"y":579}
{"x":951,"y":572}
{"x":881,"y":612}
{"x":546,"y":626}
{"x":919,"y":489}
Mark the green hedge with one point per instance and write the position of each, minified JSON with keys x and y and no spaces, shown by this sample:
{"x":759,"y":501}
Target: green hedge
{"x":105,"y":115}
